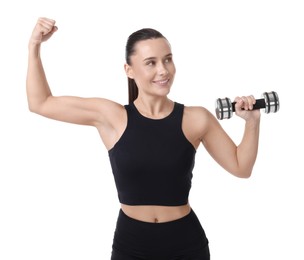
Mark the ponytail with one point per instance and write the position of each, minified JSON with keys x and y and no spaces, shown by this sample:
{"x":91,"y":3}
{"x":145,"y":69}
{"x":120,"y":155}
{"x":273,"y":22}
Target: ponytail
{"x":133,"y":90}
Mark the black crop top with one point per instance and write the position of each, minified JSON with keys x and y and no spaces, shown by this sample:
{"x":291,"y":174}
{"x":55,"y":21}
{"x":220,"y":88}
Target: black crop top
{"x":152,"y":162}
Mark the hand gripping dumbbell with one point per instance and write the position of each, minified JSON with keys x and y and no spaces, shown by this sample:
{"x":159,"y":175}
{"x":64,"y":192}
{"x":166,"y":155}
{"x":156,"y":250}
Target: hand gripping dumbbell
{"x":225,"y":108}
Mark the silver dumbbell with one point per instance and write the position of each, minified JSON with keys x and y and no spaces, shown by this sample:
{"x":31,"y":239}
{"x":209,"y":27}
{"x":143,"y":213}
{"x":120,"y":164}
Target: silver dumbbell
{"x":225,"y":108}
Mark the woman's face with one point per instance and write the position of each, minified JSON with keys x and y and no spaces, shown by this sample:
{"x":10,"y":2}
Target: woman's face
{"x":152,"y":67}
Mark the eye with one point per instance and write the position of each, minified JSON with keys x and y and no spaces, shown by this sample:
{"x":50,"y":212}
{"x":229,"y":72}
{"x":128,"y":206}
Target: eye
{"x":150,"y":63}
{"x":168,"y":60}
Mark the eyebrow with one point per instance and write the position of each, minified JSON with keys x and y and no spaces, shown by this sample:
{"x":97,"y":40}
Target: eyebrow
{"x":153,"y":58}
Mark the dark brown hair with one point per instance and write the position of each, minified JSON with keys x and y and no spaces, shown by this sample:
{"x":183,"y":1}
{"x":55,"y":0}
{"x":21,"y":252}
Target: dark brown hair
{"x":140,"y":35}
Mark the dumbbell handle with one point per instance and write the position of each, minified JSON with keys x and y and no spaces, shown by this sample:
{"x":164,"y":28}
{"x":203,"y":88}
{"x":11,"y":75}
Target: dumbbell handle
{"x":260,"y":103}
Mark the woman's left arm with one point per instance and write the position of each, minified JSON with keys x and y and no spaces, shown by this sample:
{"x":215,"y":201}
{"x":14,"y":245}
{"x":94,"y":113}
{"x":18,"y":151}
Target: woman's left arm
{"x":239,"y":159}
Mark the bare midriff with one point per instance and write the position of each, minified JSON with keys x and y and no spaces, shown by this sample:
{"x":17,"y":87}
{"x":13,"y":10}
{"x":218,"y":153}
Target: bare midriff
{"x":156,"y":214}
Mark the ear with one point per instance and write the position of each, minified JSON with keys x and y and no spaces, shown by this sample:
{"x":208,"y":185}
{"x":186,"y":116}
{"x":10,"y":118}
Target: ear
{"x":129,"y":71}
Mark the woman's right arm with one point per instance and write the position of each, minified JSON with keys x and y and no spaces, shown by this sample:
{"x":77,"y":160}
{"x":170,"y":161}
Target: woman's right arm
{"x":84,"y":111}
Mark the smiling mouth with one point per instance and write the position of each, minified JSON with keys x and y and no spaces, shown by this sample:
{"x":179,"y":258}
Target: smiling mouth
{"x":161,"y":82}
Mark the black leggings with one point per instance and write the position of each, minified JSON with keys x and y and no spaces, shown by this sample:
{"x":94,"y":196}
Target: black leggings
{"x":181,"y":239}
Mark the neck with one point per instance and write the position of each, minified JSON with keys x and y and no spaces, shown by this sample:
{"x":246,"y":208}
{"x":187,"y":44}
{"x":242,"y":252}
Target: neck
{"x":154,"y":108}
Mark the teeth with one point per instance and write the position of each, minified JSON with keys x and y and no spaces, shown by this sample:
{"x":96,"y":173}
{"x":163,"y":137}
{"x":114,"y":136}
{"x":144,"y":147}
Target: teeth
{"x":163,"y":81}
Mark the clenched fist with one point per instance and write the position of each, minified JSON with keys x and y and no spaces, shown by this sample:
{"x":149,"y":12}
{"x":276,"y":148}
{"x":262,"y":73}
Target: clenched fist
{"x":43,"y":30}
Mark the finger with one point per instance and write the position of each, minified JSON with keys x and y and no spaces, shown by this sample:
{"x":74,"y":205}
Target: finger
{"x":239,"y":103}
{"x":245,"y":103}
{"x":47,"y":25}
{"x":251,"y":101}
{"x":253,"y":98}
{"x":55,"y":28}
{"x":46,"y":21}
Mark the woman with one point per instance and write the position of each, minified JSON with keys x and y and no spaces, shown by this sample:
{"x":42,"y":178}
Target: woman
{"x":152,"y":143}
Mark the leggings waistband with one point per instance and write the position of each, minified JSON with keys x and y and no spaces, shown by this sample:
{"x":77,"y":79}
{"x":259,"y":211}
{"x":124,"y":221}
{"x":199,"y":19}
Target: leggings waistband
{"x":142,"y":239}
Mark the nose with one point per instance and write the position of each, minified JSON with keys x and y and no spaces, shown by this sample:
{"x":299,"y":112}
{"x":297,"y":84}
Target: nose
{"x":162,"y":69}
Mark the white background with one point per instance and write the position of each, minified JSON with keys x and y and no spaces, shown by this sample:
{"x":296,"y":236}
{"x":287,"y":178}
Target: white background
{"x":57,"y":194}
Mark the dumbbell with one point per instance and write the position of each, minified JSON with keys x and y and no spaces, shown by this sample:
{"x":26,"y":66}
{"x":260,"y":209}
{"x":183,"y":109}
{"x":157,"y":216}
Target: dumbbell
{"x":270,"y":102}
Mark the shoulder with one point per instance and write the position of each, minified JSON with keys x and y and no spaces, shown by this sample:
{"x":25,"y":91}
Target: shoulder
{"x":197,"y":120}
{"x":110,"y":112}
{"x":109,"y":106}
{"x":196,"y":112}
